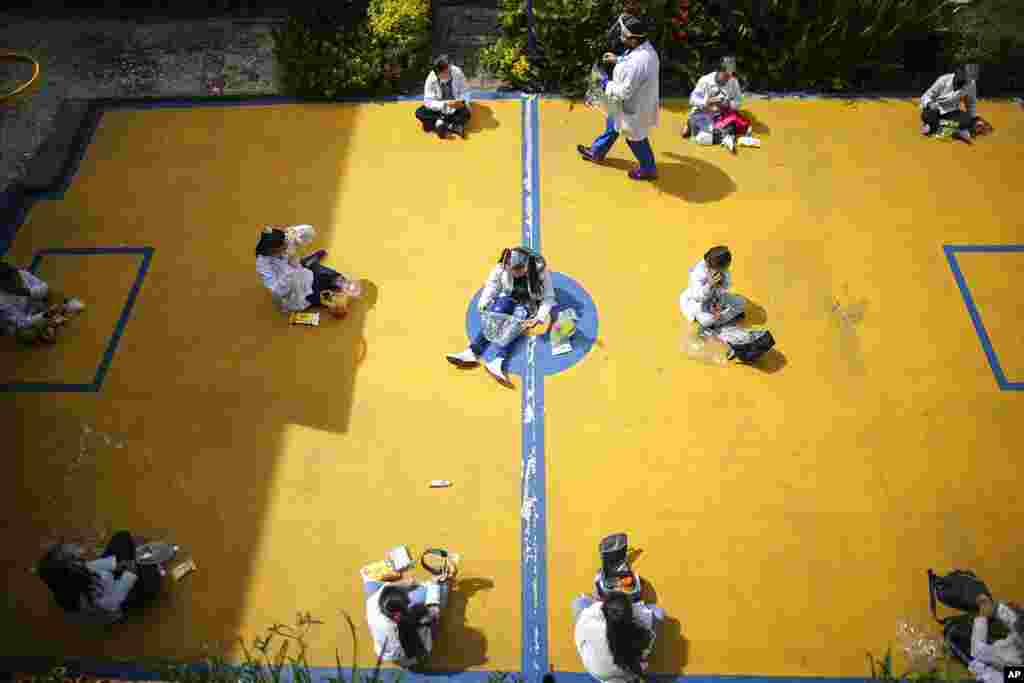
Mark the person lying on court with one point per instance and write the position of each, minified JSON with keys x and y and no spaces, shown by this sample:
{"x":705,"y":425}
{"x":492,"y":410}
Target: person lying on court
{"x":295,"y":284}
{"x":706,"y":300}
{"x":445,"y":107}
{"x":404,"y":617}
{"x":953,"y":97}
{"x":25,"y":311}
{"x":715,"y":101}
{"x":99,"y":592}
{"x":988,"y":660}
{"x":615,"y":637}
{"x":520,"y":286}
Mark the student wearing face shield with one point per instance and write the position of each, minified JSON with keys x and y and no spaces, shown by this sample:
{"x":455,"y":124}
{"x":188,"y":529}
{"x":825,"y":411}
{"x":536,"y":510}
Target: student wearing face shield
{"x":633,"y":92}
{"x":446,"y":100}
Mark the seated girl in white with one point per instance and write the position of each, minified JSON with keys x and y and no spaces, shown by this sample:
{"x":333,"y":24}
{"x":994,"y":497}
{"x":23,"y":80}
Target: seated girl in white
{"x":295,"y":284}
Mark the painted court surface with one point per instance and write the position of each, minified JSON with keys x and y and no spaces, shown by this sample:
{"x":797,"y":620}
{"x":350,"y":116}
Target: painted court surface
{"x":786,"y":512}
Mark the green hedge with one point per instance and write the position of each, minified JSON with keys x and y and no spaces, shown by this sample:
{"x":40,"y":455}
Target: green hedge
{"x":820,"y":45}
{"x":360,"y":47}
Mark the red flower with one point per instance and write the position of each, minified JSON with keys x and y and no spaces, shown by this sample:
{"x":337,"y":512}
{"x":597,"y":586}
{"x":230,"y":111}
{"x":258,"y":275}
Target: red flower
{"x":682,"y":35}
{"x":676,"y":20}
{"x":684,"y":3}
{"x":684,"y":15}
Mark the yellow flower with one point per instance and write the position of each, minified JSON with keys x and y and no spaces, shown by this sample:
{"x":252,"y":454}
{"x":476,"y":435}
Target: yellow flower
{"x":521,"y":68}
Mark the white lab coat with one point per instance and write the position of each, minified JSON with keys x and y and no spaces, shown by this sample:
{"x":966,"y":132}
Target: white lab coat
{"x":989,"y":660}
{"x":21,"y":312}
{"x":592,"y":642}
{"x":698,"y":297}
{"x":289,"y":284}
{"x":499,"y":282}
{"x":634,"y":92}
{"x":386,"y":643}
{"x":105,"y":606}
{"x":708,"y":87}
{"x":944,"y":95}
{"x":433,"y":98}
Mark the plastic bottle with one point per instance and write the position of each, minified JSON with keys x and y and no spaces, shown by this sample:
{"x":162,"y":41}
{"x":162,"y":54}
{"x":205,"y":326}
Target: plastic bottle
{"x":702,"y":347}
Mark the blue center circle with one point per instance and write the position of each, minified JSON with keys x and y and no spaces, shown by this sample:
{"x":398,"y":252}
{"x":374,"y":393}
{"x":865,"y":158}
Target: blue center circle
{"x":568,"y":294}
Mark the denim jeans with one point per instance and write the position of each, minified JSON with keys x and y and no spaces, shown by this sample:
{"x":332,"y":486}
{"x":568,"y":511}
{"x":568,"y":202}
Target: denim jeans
{"x":603,"y":144}
{"x":643,"y":153}
{"x":508,"y":306}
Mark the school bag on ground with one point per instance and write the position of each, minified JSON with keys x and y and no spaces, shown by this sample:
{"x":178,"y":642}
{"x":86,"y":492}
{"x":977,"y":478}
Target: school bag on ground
{"x":748,"y":345}
{"x":957,"y":590}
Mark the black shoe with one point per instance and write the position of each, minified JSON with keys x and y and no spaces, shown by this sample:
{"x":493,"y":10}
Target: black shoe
{"x":315,"y":257}
{"x":459,"y":129}
{"x":442,"y":129}
{"x":586,"y":153}
{"x":428,"y":126}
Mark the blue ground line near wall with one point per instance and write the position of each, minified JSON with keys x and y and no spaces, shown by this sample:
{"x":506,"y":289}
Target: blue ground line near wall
{"x":951,"y":251}
{"x":115,"y":339}
{"x":534,"y":504}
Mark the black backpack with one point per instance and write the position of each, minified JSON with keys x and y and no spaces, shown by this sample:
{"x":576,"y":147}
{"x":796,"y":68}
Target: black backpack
{"x":957,"y":590}
{"x":756,"y":345}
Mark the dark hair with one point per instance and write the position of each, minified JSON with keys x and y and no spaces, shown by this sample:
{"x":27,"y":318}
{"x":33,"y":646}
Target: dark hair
{"x":535,"y":265}
{"x":68,"y":578}
{"x":270,"y":242}
{"x":10,"y":280}
{"x":626,"y":639}
{"x":718,"y":257}
{"x":394,"y":600}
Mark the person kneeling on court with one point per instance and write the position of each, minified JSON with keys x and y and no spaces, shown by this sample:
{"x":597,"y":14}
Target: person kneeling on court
{"x":520,"y":286}
{"x":100,"y":591}
{"x":705,"y":300}
{"x":615,"y":637}
{"x":404,"y":617}
{"x":445,"y":106}
{"x":295,"y":284}
{"x":25,"y":312}
{"x":715,"y":101}
{"x":943,"y":101}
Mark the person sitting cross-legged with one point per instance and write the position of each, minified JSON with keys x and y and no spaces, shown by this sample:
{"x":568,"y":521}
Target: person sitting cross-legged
{"x":715,"y":101}
{"x":446,"y":100}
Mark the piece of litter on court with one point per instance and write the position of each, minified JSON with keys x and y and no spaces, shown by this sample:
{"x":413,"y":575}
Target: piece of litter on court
{"x":440,"y":484}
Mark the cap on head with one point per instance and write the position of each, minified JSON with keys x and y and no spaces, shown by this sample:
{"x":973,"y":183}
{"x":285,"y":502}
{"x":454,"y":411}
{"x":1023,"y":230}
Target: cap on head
{"x":633,"y":27}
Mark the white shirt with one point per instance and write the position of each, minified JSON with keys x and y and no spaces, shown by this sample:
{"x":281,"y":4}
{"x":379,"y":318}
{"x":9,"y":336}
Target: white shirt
{"x":20,"y":312}
{"x":386,"y":643}
{"x":432,"y":95}
{"x":989,"y":660}
{"x":699,"y":292}
{"x":635,"y":88}
{"x":499,"y":282}
{"x":708,"y":87}
{"x":289,"y":284}
{"x":105,"y":606}
{"x":592,"y":642}
{"x":947,"y":97}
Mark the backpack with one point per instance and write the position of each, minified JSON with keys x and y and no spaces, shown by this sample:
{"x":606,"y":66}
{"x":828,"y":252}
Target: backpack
{"x":958,"y":590}
{"x":748,"y":345}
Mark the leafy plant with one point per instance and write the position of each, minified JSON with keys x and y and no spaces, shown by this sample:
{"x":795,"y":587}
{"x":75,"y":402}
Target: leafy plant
{"x":358,"y":47}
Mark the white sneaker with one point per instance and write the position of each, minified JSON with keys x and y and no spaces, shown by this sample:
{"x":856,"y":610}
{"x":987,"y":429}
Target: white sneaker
{"x":729,"y":142}
{"x":494,"y":367}
{"x":74,"y":306}
{"x":747,"y":141}
{"x":463,"y":358}
{"x":704,"y":138}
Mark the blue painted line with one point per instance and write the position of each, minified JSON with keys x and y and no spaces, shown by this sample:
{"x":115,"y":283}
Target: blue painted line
{"x":534,"y":504}
{"x":972,"y":309}
{"x":115,"y":339}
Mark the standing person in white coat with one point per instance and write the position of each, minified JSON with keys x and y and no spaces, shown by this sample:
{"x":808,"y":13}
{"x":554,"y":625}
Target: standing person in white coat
{"x":295,"y":284}
{"x":989,"y":660}
{"x":944,"y":99}
{"x":705,"y":301}
{"x":445,"y":107}
{"x":615,"y":638}
{"x":520,"y":286}
{"x":633,"y":93}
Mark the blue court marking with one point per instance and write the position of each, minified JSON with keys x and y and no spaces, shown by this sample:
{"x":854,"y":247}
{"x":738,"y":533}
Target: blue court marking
{"x":568,"y":294}
{"x":108,"y":355}
{"x":972,"y":310}
{"x":533,"y":540}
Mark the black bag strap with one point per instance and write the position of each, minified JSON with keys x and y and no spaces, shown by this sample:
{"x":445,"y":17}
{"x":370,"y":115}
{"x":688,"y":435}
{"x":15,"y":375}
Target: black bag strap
{"x":437,"y":552}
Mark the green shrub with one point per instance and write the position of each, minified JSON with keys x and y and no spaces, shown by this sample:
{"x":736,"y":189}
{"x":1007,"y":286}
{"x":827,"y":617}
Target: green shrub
{"x":991,"y":33}
{"x":365,"y":47}
{"x":830,"y":45}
